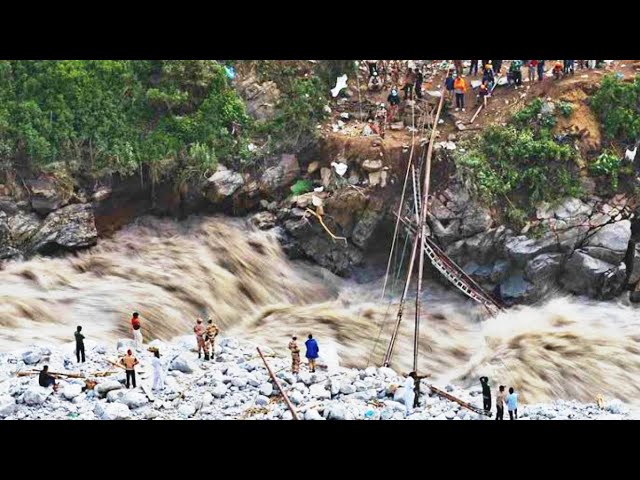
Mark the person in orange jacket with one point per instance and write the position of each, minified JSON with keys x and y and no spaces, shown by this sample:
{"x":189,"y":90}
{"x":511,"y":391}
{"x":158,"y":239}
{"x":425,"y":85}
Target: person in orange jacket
{"x":460,"y":88}
{"x":200,"y":330}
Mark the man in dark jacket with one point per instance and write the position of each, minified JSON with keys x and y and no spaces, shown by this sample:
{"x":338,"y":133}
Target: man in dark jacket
{"x":79,"y":344}
{"x":486,"y":393}
{"x":312,"y":352}
{"x":419,"y":80}
{"x":47,"y":380}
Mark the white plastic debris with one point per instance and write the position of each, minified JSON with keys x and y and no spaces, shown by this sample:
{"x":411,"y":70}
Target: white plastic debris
{"x":251,"y":147}
{"x":341,"y":168}
{"x":317,"y":201}
{"x":327,"y":109}
{"x":631,"y":154}
{"x":318,"y":189}
{"x":341,"y":82}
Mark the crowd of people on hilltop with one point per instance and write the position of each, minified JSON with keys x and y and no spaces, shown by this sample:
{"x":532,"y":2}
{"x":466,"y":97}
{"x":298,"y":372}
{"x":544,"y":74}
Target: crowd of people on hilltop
{"x":408,"y":76}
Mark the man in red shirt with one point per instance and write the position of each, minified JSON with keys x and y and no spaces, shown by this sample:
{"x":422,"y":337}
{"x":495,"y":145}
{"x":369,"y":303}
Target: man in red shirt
{"x":200,"y":330}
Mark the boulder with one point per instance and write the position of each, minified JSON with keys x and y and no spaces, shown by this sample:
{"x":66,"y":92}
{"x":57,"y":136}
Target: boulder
{"x":220,"y":390}
{"x":186,"y":410}
{"x":544,"y":268}
{"x":36,"y":395}
{"x":182,"y":363}
{"x":585,"y":275}
{"x":264,"y":220}
{"x":106,"y":386}
{"x":71,"y":391}
{"x":31,"y":357}
{"x":474,"y":221}
{"x":266,"y":389}
{"x":335,"y":411}
{"x":515,"y":288}
{"x":223,"y":184}
{"x":115,"y":411}
{"x":71,"y":228}
{"x":45,"y":196}
{"x":634,"y":275}
{"x":610,"y":242}
{"x":364,"y":228}
{"x":116,"y":395}
{"x":23,"y":226}
{"x":275,"y":179}
{"x":134,"y":399}
{"x":260,"y":98}
{"x":7,"y":406}
{"x":312,"y":414}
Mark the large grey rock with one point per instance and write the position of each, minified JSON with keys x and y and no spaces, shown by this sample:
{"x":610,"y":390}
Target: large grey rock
{"x":319,"y":391}
{"x":186,"y":410}
{"x":220,"y":390}
{"x":115,"y":411}
{"x":72,"y":227}
{"x":364,"y":228}
{"x":45,"y":196}
{"x":134,"y":399}
{"x":266,"y":389}
{"x":335,"y":411}
{"x":312,"y":414}
{"x":610,"y":242}
{"x":274,"y":179}
{"x":515,"y":288}
{"x":522,"y":249}
{"x":260,"y":98}
{"x":71,"y":391}
{"x":105,"y":387}
{"x":544,"y":268}
{"x":483,"y":248}
{"x":23,"y":226}
{"x":264,"y":220}
{"x":262,"y":400}
{"x":182,"y":363}
{"x":634,"y":275}
{"x":585,"y":275}
{"x":31,"y":357}
{"x":7,"y":406}
{"x":372,"y":165}
{"x":36,"y":395}
{"x":474,"y":221}
{"x":223,"y":184}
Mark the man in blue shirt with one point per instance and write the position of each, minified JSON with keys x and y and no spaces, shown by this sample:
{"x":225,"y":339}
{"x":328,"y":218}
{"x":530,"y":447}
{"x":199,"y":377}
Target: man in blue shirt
{"x":312,"y":352}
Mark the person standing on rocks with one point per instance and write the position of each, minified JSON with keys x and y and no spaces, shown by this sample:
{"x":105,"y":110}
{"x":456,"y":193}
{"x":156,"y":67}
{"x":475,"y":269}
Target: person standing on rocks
{"x":541,"y":70}
{"x":394,"y":102}
{"x":199,"y":330}
{"x":409,"y":82}
{"x":210,"y":338}
{"x":79,"y":344}
{"x":486,"y":393}
{"x":460,"y":87}
{"x":158,"y":380}
{"x":416,"y":387}
{"x":409,"y":394}
{"x":512,"y":404}
{"x":419,"y":80}
{"x":136,"y":329}
{"x":129,"y":362}
{"x":500,"y":401}
{"x":312,"y":352}
{"x":295,"y":355}
{"x":45,"y":379}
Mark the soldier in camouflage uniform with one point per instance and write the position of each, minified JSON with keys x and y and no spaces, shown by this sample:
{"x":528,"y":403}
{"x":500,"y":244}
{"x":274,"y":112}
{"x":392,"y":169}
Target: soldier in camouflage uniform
{"x":210,"y":338}
{"x":295,"y":355}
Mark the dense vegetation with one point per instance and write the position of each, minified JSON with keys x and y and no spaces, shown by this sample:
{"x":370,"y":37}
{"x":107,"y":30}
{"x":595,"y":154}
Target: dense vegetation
{"x":520,"y":164}
{"x":617,"y":103}
{"x":107,"y":116}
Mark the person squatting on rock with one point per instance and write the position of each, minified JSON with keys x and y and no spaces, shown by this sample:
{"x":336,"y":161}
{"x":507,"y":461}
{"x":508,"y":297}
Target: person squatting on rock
{"x":79,"y":344}
{"x":500,"y":401}
{"x":295,"y":355}
{"x":129,"y":362}
{"x":46,"y":380}
{"x":486,"y":393}
{"x":136,"y":329}
{"x":210,"y":339}
{"x":199,"y":330}
{"x":158,"y":378}
{"x":312,"y":352}
{"x":512,"y":404}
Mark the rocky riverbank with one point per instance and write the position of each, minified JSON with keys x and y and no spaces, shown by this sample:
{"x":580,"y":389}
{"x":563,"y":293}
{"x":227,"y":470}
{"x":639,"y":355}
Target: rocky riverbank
{"x":236,"y":385}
